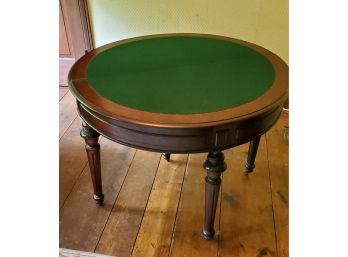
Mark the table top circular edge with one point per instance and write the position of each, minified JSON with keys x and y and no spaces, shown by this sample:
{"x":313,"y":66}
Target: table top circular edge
{"x":86,"y":95}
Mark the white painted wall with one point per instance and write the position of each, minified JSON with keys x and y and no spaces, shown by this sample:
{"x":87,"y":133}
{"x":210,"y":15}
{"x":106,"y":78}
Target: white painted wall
{"x":264,"y":22}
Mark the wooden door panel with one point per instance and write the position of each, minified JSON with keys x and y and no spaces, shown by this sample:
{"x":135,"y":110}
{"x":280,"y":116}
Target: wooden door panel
{"x":74,"y":35}
{"x":64,"y":49}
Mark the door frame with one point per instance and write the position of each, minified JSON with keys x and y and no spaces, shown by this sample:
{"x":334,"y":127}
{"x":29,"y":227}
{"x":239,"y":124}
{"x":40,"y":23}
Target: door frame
{"x":78,"y":30}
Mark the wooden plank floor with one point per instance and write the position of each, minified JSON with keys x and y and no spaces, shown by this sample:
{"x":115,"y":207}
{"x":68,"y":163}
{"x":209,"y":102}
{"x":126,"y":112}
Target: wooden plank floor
{"x":155,"y":208}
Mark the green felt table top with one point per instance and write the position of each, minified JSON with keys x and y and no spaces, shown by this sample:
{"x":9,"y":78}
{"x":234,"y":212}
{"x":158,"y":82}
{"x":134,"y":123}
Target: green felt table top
{"x":180,"y":74}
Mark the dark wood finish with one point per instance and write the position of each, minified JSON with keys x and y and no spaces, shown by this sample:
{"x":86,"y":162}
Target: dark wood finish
{"x":253,"y":146}
{"x":180,"y":140}
{"x":166,"y":156}
{"x":93,"y":153}
{"x":214,"y":165}
{"x":270,"y":100}
{"x":241,"y":229}
{"x":173,"y":133}
{"x":187,"y":235}
{"x":81,"y":221}
{"x":246,"y":220}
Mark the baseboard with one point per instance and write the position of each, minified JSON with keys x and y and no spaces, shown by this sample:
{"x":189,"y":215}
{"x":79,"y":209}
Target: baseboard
{"x":64,"y":68}
{"x":63,"y":252}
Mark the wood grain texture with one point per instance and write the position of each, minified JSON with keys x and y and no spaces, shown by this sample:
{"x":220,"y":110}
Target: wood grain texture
{"x":247,"y":227}
{"x":188,"y":240}
{"x":92,"y":147}
{"x":189,"y":133}
{"x":72,"y":159}
{"x":62,"y":92}
{"x":80,"y":231}
{"x":214,"y":165}
{"x":81,"y":219}
{"x":278,"y":156}
{"x":125,"y":219}
{"x":67,"y":113}
{"x":156,"y":230}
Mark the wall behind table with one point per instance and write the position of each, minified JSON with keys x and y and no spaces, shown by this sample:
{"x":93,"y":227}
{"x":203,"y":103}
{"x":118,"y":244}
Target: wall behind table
{"x":264,"y":22}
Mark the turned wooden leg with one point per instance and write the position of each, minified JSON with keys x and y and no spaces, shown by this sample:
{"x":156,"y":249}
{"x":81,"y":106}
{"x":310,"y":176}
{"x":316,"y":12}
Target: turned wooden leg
{"x":93,"y":153}
{"x":214,"y":165}
{"x":254,"y":144}
{"x":166,"y":156}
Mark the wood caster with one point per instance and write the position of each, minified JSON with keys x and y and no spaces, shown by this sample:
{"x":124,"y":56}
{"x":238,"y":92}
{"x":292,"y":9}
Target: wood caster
{"x":166,"y":156}
{"x":99,"y":199}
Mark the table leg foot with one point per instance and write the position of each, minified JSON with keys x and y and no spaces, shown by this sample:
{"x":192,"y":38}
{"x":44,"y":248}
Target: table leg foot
{"x":253,"y":146}
{"x":166,"y":156}
{"x":208,"y":234}
{"x":214,"y":165}
{"x":99,"y":199}
{"x":93,"y":154}
{"x":249,"y":168}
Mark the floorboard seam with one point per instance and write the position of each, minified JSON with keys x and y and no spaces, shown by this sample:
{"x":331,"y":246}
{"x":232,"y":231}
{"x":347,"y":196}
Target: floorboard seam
{"x":178,"y":207}
{"x":107,"y":220}
{"x":270,"y":185}
{"x":72,"y":188}
{"x":160,"y":159}
{"x":72,"y":121}
{"x":63,"y":95}
{"x":84,"y":166}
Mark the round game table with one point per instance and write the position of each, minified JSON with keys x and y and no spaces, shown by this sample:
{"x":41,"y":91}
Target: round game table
{"x":179,"y":93}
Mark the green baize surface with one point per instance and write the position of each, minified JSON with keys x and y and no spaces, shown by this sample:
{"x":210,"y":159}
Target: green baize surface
{"x":180,"y":75}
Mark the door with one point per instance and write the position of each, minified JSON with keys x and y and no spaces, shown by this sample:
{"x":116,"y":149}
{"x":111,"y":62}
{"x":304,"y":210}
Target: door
{"x":74,"y":35}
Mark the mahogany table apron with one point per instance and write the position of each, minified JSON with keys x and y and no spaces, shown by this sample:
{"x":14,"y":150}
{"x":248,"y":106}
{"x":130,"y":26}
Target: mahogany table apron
{"x":179,"y":93}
